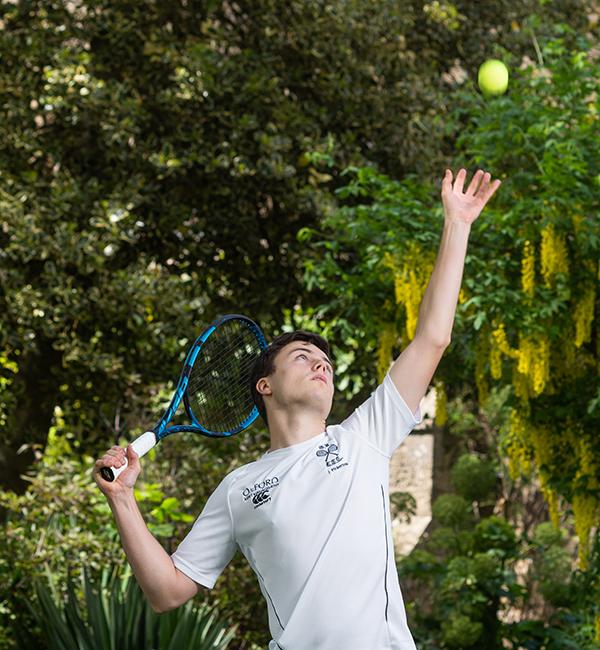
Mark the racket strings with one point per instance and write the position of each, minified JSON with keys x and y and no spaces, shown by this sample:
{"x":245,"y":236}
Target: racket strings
{"x":219,"y":386}
{"x":239,"y":402}
{"x":228,"y":401}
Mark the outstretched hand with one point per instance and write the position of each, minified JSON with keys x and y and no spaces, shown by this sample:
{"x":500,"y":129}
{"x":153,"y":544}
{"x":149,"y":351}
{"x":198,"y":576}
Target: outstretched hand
{"x":467,"y":207}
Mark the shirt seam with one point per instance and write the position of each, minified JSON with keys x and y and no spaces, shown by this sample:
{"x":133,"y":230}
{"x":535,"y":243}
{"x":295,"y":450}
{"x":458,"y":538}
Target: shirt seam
{"x":371,"y":444}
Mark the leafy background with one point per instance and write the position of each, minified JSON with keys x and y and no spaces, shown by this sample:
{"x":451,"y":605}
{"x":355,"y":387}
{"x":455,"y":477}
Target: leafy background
{"x":161,"y":163}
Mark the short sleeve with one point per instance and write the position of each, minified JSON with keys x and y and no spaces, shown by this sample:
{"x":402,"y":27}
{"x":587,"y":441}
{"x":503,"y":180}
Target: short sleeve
{"x":383,"y":419}
{"x":210,"y":545}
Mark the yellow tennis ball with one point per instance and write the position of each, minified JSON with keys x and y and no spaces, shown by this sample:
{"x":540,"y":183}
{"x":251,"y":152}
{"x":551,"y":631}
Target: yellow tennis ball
{"x":493,"y":77}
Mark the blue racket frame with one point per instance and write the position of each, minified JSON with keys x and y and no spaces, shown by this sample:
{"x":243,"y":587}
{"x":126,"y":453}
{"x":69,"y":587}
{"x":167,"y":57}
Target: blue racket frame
{"x":161,"y":430}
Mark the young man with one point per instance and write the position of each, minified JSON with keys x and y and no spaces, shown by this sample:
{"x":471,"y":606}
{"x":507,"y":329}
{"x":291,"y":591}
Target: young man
{"x":312,"y":514}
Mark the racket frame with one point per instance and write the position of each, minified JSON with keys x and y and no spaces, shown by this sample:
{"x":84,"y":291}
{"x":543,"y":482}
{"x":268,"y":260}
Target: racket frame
{"x":142,"y":444}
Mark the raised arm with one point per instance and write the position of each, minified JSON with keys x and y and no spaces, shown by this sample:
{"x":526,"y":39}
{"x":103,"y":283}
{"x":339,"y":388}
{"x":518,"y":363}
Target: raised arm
{"x":414,"y":368}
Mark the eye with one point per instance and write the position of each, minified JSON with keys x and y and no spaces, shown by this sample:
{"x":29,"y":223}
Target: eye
{"x":302,"y":355}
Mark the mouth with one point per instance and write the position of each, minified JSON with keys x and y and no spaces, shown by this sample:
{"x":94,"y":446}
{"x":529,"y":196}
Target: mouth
{"x":320,"y":379}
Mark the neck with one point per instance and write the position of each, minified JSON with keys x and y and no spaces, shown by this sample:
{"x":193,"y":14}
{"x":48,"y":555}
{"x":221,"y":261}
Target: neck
{"x":289,"y":428}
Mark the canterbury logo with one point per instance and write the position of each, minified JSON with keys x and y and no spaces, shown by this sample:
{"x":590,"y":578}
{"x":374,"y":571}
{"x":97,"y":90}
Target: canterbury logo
{"x":260,"y":493}
{"x":261,"y":497}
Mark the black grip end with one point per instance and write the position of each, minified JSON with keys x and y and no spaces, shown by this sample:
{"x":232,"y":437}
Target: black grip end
{"x":107,"y":474}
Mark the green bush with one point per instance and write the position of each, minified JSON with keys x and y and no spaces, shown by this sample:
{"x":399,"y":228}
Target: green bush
{"x":473,"y":478}
{"x":461,"y":632}
{"x":452,"y":510}
{"x":495,"y":533}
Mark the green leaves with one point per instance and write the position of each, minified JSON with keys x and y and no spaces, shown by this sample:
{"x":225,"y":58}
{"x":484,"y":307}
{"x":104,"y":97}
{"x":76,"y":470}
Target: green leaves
{"x":117,"y":616}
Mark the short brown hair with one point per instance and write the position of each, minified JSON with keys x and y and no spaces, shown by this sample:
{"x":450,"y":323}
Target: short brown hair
{"x":265,"y":364}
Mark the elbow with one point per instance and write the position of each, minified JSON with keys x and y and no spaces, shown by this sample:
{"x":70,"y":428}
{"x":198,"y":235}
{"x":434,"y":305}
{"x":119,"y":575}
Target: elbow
{"x":162,"y":607}
{"x":157,"y":608}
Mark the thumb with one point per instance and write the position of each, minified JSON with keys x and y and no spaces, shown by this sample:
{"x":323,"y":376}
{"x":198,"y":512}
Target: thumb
{"x":133,"y":459}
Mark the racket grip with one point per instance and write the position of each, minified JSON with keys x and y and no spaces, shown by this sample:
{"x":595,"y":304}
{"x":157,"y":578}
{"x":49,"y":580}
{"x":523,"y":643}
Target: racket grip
{"x":141,"y":445}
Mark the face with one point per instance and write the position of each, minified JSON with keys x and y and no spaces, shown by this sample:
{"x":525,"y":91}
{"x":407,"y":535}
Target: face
{"x":303,"y":376}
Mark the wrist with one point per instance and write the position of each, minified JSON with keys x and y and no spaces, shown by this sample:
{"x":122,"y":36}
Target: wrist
{"x":123,"y":498}
{"x":458,"y":222}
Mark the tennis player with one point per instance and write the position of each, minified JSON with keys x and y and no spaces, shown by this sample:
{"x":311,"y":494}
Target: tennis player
{"x":312,"y":514}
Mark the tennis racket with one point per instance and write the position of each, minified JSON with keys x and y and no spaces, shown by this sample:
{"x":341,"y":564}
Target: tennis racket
{"x":214,"y":386}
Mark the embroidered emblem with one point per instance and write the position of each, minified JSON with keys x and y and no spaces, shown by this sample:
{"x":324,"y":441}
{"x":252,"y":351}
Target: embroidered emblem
{"x":329,"y":452}
{"x":260,"y":493}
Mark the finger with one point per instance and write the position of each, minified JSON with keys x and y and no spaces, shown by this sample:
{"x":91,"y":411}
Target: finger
{"x":117,"y":453}
{"x":474,"y":184}
{"x":447,"y":181}
{"x":460,"y":180}
{"x":490,"y":190}
{"x":483,"y":187}
{"x":111,"y":457}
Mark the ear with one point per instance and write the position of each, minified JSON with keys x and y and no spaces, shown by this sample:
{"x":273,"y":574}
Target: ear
{"x":263,"y":386}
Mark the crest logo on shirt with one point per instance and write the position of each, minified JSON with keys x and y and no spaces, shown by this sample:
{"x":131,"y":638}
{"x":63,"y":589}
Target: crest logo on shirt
{"x":260,"y":493}
{"x":329,"y":451}
{"x":330,"y":454}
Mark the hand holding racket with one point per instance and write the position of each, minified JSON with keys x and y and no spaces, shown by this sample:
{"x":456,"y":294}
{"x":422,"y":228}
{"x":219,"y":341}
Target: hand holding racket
{"x":214,"y":386}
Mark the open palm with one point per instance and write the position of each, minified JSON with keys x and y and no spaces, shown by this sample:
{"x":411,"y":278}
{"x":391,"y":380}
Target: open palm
{"x":467,"y":206}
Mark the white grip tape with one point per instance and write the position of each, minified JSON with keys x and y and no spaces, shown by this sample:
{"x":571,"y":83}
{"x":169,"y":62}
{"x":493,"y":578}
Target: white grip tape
{"x":141,"y":446}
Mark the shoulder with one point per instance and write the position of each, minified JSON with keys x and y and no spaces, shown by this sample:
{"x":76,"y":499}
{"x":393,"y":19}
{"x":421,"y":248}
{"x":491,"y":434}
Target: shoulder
{"x":239,"y":473}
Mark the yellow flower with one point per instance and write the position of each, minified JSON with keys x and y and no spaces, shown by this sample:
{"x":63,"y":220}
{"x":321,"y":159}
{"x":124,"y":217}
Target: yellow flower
{"x":528,"y":270}
{"x":387,"y":338}
{"x":441,"y":414}
{"x":583,"y":315}
{"x":553,"y":254}
{"x":584,"y":510}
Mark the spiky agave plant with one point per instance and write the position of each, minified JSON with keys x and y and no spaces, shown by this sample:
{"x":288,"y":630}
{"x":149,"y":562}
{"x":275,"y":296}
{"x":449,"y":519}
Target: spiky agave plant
{"x":117,"y":616}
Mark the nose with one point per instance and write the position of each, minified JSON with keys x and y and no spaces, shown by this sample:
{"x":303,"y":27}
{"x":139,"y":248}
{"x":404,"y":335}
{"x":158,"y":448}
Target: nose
{"x":321,"y":365}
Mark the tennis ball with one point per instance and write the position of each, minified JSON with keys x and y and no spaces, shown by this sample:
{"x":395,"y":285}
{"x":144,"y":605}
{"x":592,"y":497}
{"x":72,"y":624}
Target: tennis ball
{"x":493,"y":77}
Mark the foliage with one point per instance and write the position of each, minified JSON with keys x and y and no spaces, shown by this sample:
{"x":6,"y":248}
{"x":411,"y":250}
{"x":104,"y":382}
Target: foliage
{"x":157,"y":162}
{"x":528,"y":302}
{"x":473,"y":478}
{"x":154,"y":172}
{"x":62,"y":525}
{"x":468,"y":578}
{"x":117,"y":616}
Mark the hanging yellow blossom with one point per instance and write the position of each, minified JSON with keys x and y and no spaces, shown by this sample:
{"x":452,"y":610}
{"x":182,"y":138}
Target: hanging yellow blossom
{"x":551,"y":498}
{"x":412,"y":304}
{"x":520,"y":384}
{"x":583,"y":315}
{"x":577,"y":220}
{"x":528,"y":270}
{"x":553,"y":254}
{"x":534,"y":361}
{"x":541,"y":365}
{"x":387,"y":338}
{"x":499,"y":345}
{"x":584,"y":511}
{"x":541,"y":438}
{"x":410,"y":283}
{"x":441,"y":414}
{"x":519,"y":462}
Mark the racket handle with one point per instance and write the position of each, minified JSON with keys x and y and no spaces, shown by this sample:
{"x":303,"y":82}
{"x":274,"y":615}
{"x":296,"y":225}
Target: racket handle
{"x":141,"y":445}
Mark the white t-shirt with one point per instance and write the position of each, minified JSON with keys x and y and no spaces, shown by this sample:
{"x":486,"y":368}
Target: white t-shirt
{"x":313,"y":521}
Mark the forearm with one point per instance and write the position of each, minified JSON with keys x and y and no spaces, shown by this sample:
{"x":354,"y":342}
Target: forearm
{"x":438,"y":307}
{"x":151,"y":564}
